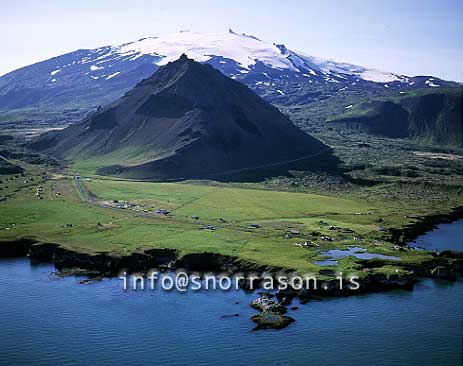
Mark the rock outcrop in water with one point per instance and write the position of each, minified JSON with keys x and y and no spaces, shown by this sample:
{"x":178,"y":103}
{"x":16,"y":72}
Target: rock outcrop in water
{"x":265,"y":304}
{"x":269,"y":320}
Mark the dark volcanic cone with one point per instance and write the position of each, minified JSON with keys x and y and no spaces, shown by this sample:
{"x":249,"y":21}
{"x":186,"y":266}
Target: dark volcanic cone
{"x":188,"y":120}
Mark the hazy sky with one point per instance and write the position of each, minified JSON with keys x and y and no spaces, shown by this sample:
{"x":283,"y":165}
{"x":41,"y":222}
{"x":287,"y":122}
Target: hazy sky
{"x":412,"y":37}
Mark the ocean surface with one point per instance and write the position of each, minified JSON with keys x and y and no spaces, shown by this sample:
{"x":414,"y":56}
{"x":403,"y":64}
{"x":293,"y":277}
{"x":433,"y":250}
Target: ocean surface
{"x":445,"y":236}
{"x":47,"y":320}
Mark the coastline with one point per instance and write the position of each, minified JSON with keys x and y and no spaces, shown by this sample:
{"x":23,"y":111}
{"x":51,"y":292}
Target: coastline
{"x":425,"y":224}
{"x":445,"y":265}
{"x":271,"y":306}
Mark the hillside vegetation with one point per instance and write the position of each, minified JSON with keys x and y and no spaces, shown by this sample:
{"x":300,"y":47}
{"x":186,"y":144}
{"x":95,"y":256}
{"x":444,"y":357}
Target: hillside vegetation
{"x":431,"y":117}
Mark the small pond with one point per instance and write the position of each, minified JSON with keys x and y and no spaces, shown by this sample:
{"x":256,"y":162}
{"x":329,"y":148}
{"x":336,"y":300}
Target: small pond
{"x":356,"y":252}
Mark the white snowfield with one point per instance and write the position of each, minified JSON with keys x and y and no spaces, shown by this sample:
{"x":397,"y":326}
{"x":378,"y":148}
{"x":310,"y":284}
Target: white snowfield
{"x":244,"y":49}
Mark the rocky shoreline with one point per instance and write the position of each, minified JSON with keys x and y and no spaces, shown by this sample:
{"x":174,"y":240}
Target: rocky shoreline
{"x":423,"y":225}
{"x":111,"y":264}
{"x":445,"y":265}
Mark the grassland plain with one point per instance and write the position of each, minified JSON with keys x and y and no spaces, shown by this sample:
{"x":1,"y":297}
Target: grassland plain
{"x":261,"y":226}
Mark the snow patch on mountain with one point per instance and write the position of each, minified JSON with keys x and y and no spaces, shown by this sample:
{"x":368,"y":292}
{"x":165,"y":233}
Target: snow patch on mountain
{"x":112,"y":75}
{"x":378,"y":76}
{"x":246,"y":50}
{"x":339,"y":69}
{"x":430,"y":83}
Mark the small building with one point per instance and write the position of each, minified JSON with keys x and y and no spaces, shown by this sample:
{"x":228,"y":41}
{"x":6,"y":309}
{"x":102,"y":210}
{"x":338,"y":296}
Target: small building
{"x":208,"y":227}
{"x":161,"y":211}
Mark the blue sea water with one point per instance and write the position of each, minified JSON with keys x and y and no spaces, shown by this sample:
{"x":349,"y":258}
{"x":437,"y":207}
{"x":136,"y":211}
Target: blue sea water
{"x":46,"y":320}
{"x":445,"y":236}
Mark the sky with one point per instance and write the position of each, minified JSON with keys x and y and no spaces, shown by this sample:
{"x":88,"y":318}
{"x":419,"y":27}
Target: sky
{"x":408,"y":37}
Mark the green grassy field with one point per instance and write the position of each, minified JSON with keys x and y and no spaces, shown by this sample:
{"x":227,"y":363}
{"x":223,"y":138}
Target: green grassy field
{"x":97,"y":227}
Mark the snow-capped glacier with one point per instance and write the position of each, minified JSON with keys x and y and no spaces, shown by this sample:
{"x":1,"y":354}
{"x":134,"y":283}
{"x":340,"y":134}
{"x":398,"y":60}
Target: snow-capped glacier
{"x":245,"y":50}
{"x":93,"y":77}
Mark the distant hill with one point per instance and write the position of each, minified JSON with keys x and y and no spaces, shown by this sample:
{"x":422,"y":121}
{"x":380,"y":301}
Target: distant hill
{"x":432,"y":117}
{"x":188,"y":120}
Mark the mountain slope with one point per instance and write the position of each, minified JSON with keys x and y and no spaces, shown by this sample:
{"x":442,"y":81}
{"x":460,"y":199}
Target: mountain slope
{"x":433,"y":117}
{"x":188,"y":120}
{"x":89,"y":78}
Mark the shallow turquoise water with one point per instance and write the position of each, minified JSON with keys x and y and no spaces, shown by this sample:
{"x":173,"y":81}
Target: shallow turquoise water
{"x":46,"y":320}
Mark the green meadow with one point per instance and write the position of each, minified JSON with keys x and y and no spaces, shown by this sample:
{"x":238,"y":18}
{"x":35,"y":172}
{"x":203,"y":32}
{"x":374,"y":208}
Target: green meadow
{"x":262,"y":226}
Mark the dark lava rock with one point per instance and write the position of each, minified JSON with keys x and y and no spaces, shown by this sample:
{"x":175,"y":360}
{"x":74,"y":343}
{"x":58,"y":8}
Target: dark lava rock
{"x":42,"y":252}
{"x":269,"y":320}
{"x":443,"y":273}
{"x":451,"y":254}
{"x":456,"y":265}
{"x":88,"y":281}
{"x":78,"y":272}
{"x":15,"y":248}
{"x":286,"y":296}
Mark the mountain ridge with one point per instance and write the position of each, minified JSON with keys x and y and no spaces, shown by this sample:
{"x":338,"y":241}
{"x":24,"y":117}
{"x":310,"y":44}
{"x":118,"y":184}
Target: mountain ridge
{"x":187,"y":120}
{"x":94,"y":77}
{"x":428,"y":116}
